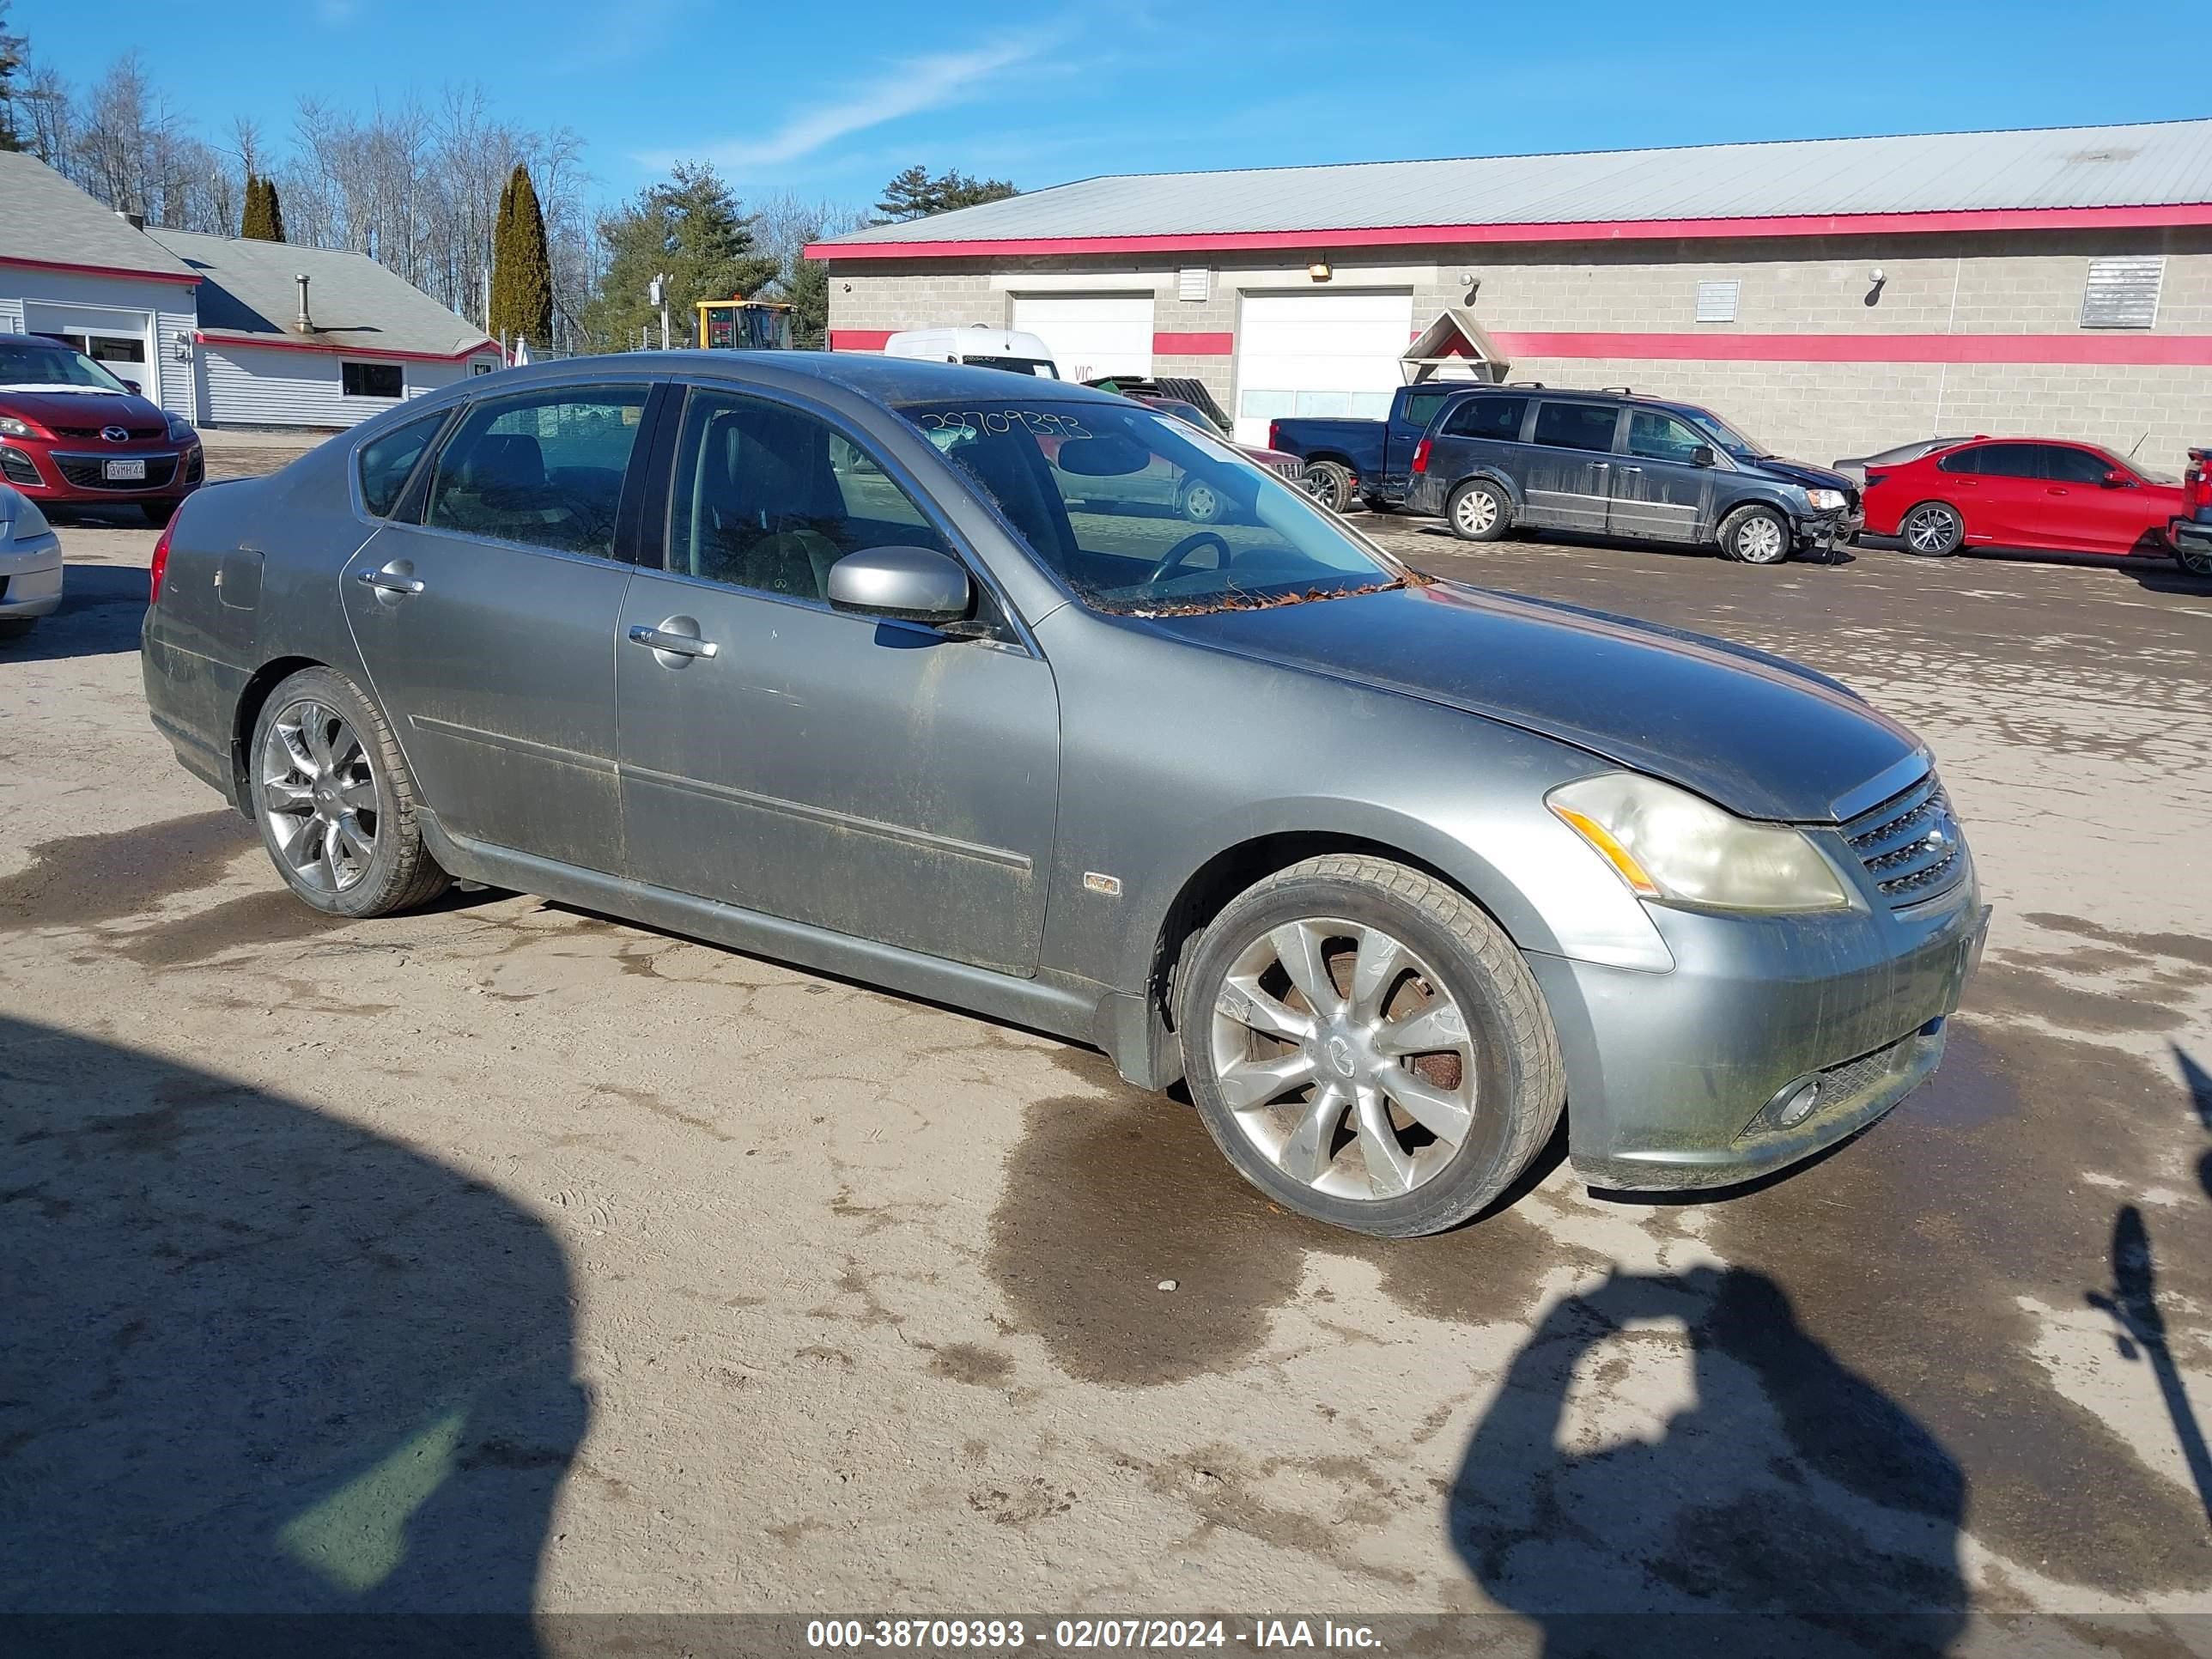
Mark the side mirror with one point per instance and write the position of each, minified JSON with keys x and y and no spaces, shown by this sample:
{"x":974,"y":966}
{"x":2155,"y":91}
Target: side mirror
{"x":910,"y":584}
{"x":2115,"y":479}
{"x":1703,"y":456}
{"x":133,"y":385}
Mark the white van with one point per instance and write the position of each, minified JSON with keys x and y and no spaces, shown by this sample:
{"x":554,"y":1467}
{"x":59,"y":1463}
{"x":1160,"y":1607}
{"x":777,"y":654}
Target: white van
{"x":986,"y":347}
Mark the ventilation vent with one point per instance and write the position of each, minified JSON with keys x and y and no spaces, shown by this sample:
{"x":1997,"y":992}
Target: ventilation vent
{"x":2123,"y":293}
{"x":1716,"y":300}
{"x":1194,"y":282}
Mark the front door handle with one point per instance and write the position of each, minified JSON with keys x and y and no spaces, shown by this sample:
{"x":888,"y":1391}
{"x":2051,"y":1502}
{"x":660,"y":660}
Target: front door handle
{"x":2057,"y":489}
{"x":395,"y":579}
{"x":677,"y":637}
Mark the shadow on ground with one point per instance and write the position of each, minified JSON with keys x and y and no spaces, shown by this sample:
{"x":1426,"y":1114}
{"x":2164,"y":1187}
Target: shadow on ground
{"x":261,"y":1362}
{"x":102,"y":607}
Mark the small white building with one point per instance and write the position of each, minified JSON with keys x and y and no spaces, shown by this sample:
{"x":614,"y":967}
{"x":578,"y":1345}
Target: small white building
{"x":221,"y":330}
{"x":314,"y":336}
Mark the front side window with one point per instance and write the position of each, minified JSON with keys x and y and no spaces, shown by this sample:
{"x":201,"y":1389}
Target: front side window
{"x":1576,"y":426}
{"x":1496,"y":418}
{"x":1661,"y":437}
{"x":545,"y":470}
{"x":1139,"y":513}
{"x":2064,"y":466}
{"x":387,"y":463}
{"x":766,"y":498}
{"x":371,"y":380}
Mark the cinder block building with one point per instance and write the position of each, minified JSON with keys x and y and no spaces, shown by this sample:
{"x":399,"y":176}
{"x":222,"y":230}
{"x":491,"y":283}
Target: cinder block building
{"x":1829,"y":296}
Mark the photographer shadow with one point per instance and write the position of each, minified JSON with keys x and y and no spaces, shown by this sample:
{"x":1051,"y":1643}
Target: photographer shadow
{"x":1790,"y":1505}
{"x":262,"y":1367}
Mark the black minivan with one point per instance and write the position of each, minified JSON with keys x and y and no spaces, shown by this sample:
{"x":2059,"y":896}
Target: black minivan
{"x":1613,"y":463}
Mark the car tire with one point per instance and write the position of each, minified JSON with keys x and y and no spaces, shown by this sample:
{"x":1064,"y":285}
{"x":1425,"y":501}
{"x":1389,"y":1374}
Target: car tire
{"x":1200,"y":502}
{"x":1477,"y":511}
{"x":15,"y":628}
{"x":1933,"y":530}
{"x":158,"y":514}
{"x":322,"y":754}
{"x":2196,"y":561}
{"x":1440,"y":969}
{"x":1755,"y":535}
{"x":1328,"y":484}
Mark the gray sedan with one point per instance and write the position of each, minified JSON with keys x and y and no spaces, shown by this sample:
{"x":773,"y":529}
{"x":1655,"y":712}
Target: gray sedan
{"x":912,"y":672}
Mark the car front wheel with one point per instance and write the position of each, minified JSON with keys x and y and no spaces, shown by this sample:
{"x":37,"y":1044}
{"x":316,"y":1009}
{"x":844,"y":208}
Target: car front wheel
{"x":1367,"y":1047}
{"x":1755,"y":535}
{"x":334,"y":800}
{"x":1328,"y":484}
{"x":1932,"y":530}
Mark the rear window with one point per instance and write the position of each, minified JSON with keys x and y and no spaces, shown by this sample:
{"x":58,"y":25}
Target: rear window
{"x":1488,"y":417}
{"x":1576,"y":426}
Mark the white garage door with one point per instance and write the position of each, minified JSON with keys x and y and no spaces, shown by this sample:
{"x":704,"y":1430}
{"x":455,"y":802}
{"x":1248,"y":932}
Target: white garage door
{"x":1318,"y":354}
{"x":1090,"y":334}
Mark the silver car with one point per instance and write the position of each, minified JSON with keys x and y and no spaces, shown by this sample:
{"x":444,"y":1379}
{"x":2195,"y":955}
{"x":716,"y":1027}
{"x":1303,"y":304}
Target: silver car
{"x":912,"y":672}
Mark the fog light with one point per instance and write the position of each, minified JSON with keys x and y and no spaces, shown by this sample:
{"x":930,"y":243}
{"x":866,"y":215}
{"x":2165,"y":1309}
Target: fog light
{"x":1794,"y":1103}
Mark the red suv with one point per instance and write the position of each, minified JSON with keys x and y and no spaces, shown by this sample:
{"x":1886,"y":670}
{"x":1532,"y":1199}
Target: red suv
{"x":2032,"y":493}
{"x":72,"y":434}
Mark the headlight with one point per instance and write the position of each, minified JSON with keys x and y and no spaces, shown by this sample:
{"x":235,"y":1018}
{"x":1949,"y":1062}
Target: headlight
{"x":1668,"y":844}
{"x":180,"y":430}
{"x":1826,"y":500}
{"x":12,"y":428}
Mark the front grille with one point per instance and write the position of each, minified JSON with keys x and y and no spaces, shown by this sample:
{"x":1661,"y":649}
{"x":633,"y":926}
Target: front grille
{"x":90,"y":472}
{"x":1910,"y":844}
{"x":99,"y":431}
{"x":18,"y":468}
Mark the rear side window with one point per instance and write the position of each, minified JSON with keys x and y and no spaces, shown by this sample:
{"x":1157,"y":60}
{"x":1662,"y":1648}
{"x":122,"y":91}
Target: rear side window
{"x":1995,"y":461}
{"x":388,"y":462}
{"x":1421,"y":408}
{"x":545,"y":470}
{"x":1488,"y":417}
{"x":1576,"y":426}
{"x":2074,"y":466}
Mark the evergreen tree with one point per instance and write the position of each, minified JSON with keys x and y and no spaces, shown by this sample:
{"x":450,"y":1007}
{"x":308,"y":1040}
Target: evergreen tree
{"x":12,"y":61}
{"x":521,"y":265}
{"x":912,"y":194}
{"x":264,"y":221}
{"x":689,"y":227}
{"x":274,"y":209}
{"x":805,"y":284}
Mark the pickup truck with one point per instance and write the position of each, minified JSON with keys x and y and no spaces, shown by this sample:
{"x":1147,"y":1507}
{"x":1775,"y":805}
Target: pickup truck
{"x":1369,"y":461}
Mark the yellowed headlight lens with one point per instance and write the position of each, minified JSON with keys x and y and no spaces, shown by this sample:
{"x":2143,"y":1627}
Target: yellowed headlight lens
{"x":1615,"y":854}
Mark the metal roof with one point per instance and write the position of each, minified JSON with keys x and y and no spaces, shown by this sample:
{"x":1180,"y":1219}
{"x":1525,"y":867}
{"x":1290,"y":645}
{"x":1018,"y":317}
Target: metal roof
{"x":2149,"y":164}
{"x":45,"y":219}
{"x":249,"y":288}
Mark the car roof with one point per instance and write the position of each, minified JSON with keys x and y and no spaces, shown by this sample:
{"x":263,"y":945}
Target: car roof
{"x":888,"y":380}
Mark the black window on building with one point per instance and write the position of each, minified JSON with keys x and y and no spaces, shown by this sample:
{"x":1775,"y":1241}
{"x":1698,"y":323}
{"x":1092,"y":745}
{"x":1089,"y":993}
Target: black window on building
{"x":372,"y":380}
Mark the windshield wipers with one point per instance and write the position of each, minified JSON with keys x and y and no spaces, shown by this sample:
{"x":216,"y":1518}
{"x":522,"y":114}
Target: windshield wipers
{"x":1237,"y":599}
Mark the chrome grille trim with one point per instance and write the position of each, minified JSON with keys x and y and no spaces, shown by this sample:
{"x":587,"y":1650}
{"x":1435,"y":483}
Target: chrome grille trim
{"x":1892,"y":843}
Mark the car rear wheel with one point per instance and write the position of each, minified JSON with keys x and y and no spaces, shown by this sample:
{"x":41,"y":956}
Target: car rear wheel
{"x":1755,"y":535}
{"x":1477,"y":511}
{"x":334,"y":800}
{"x":1328,"y":484}
{"x":1367,"y":1047}
{"x":2196,"y":561}
{"x":1932,"y":530}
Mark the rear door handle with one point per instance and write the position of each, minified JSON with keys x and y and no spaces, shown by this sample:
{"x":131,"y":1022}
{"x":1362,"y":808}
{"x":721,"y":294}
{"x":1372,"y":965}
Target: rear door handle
{"x":676,"y":644}
{"x":389,"y":580}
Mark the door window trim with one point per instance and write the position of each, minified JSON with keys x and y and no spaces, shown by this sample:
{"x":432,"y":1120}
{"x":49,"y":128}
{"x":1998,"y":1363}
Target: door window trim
{"x":659,"y":507}
{"x":409,"y":499}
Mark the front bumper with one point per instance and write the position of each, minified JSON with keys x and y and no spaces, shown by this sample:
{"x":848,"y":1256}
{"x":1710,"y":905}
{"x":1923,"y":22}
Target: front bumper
{"x":30,"y":577}
{"x":2189,"y":535}
{"x":1676,"y":1080}
{"x":78,"y":478}
{"x":1826,"y":532}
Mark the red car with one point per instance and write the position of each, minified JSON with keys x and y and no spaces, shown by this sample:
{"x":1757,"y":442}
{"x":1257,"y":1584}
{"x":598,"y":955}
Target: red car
{"x":2034,"y":492}
{"x":73,"y":434}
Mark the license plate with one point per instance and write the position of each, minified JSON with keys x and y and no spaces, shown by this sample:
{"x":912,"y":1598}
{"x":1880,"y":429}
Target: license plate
{"x":126,"y":468}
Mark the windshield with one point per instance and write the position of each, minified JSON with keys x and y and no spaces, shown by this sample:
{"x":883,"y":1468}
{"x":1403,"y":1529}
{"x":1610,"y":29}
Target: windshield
{"x":1733,"y":443}
{"x":1037,"y":367}
{"x":2147,"y":474}
{"x":1140,"y":514}
{"x":43,"y":366}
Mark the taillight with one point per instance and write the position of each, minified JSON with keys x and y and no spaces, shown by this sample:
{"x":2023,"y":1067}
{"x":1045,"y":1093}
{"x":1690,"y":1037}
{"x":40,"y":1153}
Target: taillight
{"x":1273,"y":427}
{"x":2196,"y":484}
{"x":1874,"y":479}
{"x":160,"y":566}
{"x":1420,"y":458}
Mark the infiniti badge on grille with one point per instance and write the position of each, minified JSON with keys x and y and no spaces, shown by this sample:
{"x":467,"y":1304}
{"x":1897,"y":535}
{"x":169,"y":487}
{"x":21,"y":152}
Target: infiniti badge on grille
{"x":116,"y":434}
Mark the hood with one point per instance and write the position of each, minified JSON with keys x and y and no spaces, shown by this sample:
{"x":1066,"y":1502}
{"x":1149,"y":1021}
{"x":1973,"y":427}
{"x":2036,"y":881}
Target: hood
{"x":93,"y":409}
{"x":1761,"y":736}
{"x":1804,"y":472}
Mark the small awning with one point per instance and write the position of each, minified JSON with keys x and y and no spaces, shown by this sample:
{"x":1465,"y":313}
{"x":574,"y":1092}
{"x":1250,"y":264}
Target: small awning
{"x":1453,"y":341}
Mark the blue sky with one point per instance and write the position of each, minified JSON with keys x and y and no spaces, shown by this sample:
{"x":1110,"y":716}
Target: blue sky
{"x":829,"y":99}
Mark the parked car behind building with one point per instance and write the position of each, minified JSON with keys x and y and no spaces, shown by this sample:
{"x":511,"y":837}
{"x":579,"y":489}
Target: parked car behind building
{"x":1392,"y":870}
{"x":2035,"y":493}
{"x":1613,"y":464}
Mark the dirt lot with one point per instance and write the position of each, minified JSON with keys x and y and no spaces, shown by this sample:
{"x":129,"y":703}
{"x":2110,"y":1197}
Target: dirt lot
{"x":506,"y":1256}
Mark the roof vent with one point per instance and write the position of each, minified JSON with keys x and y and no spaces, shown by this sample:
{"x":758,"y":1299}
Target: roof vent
{"x":136,"y":221}
{"x":305,"y":324}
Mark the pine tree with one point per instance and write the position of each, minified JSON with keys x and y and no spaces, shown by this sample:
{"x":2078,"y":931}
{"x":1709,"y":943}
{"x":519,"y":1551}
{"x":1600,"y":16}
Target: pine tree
{"x":11,"y":60}
{"x":689,"y":227}
{"x":275,"y":208}
{"x":805,"y":284}
{"x":912,"y":194}
{"x":521,"y":265}
{"x":264,"y":221}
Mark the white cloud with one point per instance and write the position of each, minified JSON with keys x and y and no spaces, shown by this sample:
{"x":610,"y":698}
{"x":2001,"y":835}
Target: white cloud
{"x":911,"y":87}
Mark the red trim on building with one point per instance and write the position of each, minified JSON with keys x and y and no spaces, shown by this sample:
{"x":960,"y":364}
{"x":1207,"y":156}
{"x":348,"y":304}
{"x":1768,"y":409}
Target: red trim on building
{"x":1195,"y":345}
{"x":205,"y":338}
{"x":2163,"y":350}
{"x":184,"y":277}
{"x":1589,"y":230}
{"x":859,"y":339}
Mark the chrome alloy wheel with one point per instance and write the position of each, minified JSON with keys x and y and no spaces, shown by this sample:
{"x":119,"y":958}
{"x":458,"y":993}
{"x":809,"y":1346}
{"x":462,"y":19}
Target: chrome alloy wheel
{"x":1931,"y":529}
{"x":319,"y":796}
{"x":1343,"y":1059}
{"x":1475,"y":512}
{"x":1760,"y":541}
